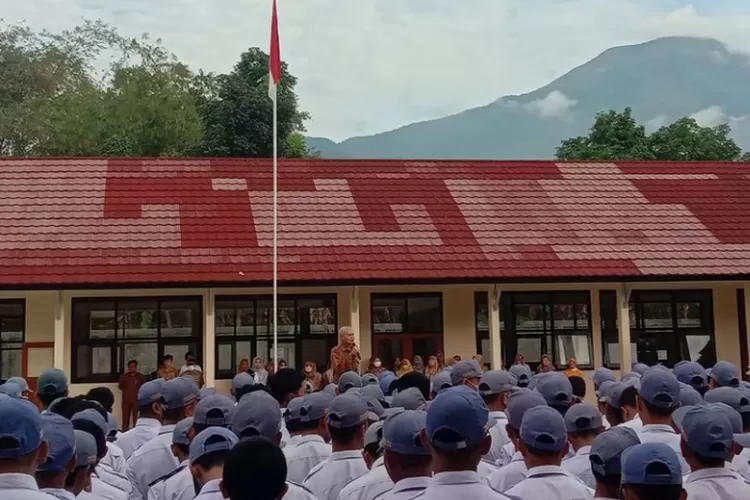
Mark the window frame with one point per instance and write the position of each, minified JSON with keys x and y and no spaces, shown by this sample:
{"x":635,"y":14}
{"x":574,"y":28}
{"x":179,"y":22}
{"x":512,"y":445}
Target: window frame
{"x":671,"y":335}
{"x":117,"y":343}
{"x":405,"y":298}
{"x":297,"y":338}
{"x":22,"y":342}
{"x":481,"y":299}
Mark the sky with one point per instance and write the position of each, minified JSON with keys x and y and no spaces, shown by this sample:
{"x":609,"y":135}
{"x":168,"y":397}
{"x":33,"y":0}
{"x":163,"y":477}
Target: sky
{"x":367,"y":66}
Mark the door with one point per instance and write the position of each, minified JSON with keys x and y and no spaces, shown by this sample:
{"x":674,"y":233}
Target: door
{"x":389,"y":347}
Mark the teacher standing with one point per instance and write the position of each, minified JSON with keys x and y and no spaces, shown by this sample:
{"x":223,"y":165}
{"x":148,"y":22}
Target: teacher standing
{"x":345,"y":356}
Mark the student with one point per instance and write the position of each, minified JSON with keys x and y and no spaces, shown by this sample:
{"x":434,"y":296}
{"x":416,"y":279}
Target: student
{"x":724,"y":374}
{"x":255,"y":470}
{"x":376,"y":481}
{"x":514,"y":470}
{"x":583,"y":423}
{"x":440,"y":382}
{"x":522,"y":373}
{"x":23,"y":385}
{"x":544,"y":443}
{"x":349,"y":380}
{"x":651,"y":471}
{"x":60,"y":437}
{"x":312,"y":447}
{"x":208,"y":452}
{"x":621,"y":405}
{"x":410,"y":398}
{"x":347,"y":423}
{"x":467,"y":373}
{"x":242,"y":383}
{"x":706,"y":443}
{"x":689,"y":396}
{"x":180,"y":450}
{"x":407,"y":461}
{"x":605,"y":459}
{"x":51,"y":385}
{"x":292,"y":422}
{"x":495,"y":387}
{"x":658,"y":397}
{"x":155,"y":458}
{"x":557,"y":391}
{"x":415,"y":380}
{"x":285,"y":385}
{"x":602,"y":375}
{"x":692,"y":374}
{"x":130,"y":382}
{"x":456,"y":433}
{"x":150,"y":420}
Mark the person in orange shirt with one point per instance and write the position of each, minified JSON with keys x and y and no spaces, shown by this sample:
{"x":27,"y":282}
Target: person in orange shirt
{"x":167,"y":370}
{"x":130,"y":382}
{"x":345,"y":356}
{"x":573,"y":370}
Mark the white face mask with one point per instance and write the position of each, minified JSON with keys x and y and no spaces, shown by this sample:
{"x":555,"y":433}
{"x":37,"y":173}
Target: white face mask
{"x":308,"y":369}
{"x":377,"y":364}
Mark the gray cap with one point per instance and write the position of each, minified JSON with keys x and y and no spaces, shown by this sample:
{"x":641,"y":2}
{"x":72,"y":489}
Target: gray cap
{"x":458,"y":418}
{"x":180,"y":432}
{"x":602,"y":375}
{"x":602,"y":393}
{"x":465,"y":369}
{"x":660,"y":388}
{"x":150,"y":392}
{"x":331,"y":389}
{"x":374,"y":433}
{"x":375,"y":410}
{"x":349,"y":380}
{"x":11,"y":389}
{"x":640,"y":368}
{"x":369,"y":379}
{"x":520,"y":402}
{"x":292,"y":413}
{"x":691,"y":373}
{"x":21,"y":422}
{"x":347,"y":410}
{"x":85,"y":449}
{"x":522,"y":373}
{"x":401,"y":433}
{"x":729,"y":396}
{"x":608,"y":448}
{"x":441,"y":381}
{"x":373,"y":392}
{"x":708,"y":433}
{"x":112,"y":422}
{"x":20,"y":382}
{"x":206,"y":392}
{"x":241,"y":380}
{"x":52,"y":380}
{"x":93,"y":416}
{"x":409,"y":399}
{"x":651,"y":463}
{"x":583,"y":417}
{"x":630,"y":376}
{"x":212,"y":440}
{"x":543,"y":428}
{"x":179,"y":392}
{"x":725,"y":374}
{"x":258,"y":414}
{"x":216,"y":410}
{"x":315,"y":406}
{"x":689,"y":396}
{"x":556,"y":390}
{"x":614,"y":394}
{"x":58,"y":432}
{"x":496,"y":382}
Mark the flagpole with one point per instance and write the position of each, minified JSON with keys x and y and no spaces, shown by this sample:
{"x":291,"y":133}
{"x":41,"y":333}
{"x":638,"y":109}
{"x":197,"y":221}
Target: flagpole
{"x":275,"y":239}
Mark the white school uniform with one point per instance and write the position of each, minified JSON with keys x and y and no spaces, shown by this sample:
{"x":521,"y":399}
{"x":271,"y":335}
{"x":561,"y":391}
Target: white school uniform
{"x":459,"y":485}
{"x":328,"y":478}
{"x":660,"y":433}
{"x":306,"y":453}
{"x":144,"y":431}
{"x":499,"y":437}
{"x":509,"y":475}
{"x":580,"y":466}
{"x":550,"y":482}
{"x":367,"y":487}
{"x":406,"y":489}
{"x":150,"y":462}
{"x":21,"y":487}
{"x":716,"y":484}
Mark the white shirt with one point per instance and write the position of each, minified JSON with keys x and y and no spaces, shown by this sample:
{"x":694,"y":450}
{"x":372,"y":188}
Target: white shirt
{"x":179,"y":486}
{"x":113,"y":478}
{"x":301,"y":457}
{"x":407,"y":488}
{"x":261,"y":376}
{"x":285,"y":436}
{"x":499,"y":437}
{"x":114,"y":459}
{"x":144,"y":431}
{"x":211,"y":491}
{"x":297,"y":492}
{"x":328,"y":478}
{"x":636,"y":424}
{"x":459,"y":485}
{"x":15,"y":486}
{"x":550,"y":482}
{"x":485,"y":468}
{"x":580,"y":466}
{"x":60,"y":493}
{"x":716,"y":484}
{"x":150,"y":462}
{"x":101,"y":489}
{"x":741,"y":463}
{"x":367,"y":487}
{"x":509,"y":475}
{"x":506,"y":454}
{"x":662,"y":433}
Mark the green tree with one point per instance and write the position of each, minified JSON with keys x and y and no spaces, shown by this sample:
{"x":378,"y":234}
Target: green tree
{"x":296,"y":147}
{"x":685,"y":140}
{"x":614,"y":136}
{"x":238,"y":119}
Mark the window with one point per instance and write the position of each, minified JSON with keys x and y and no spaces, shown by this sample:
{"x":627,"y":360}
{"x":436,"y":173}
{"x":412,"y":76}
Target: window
{"x":554,"y":323}
{"x":481,"y":324}
{"x":244,"y":330}
{"x":665,"y":327}
{"x":407,"y":313}
{"x":12,"y":330}
{"x":107,"y":333}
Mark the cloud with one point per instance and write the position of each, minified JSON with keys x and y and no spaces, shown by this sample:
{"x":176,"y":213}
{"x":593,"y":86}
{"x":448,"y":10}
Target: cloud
{"x":715,"y":115}
{"x":656,"y":123}
{"x":366,"y":66}
{"x":555,"y":105}
{"x":710,"y":116}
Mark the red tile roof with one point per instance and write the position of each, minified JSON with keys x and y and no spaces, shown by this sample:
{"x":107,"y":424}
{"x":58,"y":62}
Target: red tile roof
{"x":140,"y":221}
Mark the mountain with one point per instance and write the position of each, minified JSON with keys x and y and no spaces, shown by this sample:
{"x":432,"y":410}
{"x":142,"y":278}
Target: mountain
{"x":662,"y":80}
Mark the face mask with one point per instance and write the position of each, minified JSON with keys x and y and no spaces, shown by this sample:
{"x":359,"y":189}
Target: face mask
{"x":308,"y":369}
{"x":377,"y":364}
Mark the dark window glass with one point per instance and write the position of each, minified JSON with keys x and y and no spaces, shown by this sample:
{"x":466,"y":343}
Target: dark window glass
{"x":12,"y":336}
{"x":407,"y":313}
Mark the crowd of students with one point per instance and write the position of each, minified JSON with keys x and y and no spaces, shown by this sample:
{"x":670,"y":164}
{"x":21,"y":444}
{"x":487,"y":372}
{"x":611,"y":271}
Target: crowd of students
{"x":463,"y":433}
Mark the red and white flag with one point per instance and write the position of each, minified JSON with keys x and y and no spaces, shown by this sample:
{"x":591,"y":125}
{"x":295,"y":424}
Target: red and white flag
{"x":274,"y":60}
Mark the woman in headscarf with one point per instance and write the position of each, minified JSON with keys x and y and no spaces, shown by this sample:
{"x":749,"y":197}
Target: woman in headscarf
{"x":244,"y":366}
{"x":418,"y":363}
{"x":270,"y":368}
{"x":312,"y":376}
{"x":261,"y":374}
{"x":545,"y":364}
{"x":433,"y":367}
{"x":283,"y":364}
{"x":405,"y":367}
{"x":375,"y":366}
{"x":573,"y":370}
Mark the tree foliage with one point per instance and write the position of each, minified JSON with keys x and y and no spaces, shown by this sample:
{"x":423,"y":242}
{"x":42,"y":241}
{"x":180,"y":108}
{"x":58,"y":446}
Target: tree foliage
{"x":617,"y":136}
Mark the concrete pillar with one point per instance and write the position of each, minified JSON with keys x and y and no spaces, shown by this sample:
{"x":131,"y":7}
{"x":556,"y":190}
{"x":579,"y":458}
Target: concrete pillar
{"x":59,"y":332}
{"x":596,"y":329}
{"x":209,"y":337}
{"x":354,"y":322}
{"x":623,"y":328}
{"x":493,"y":323}
{"x":746,"y":287}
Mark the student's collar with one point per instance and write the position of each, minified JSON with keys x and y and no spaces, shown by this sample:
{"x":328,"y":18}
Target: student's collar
{"x":584,"y":450}
{"x":457,"y":477}
{"x":346,"y":454}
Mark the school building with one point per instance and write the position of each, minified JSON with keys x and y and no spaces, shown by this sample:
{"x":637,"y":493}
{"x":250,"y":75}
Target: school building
{"x":107,"y":260}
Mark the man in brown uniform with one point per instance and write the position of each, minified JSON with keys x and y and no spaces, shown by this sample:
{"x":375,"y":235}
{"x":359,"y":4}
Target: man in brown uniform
{"x":129,"y":384}
{"x":345,"y":356}
{"x":167,"y":370}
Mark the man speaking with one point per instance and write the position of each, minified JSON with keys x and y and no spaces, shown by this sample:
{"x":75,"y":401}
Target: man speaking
{"x":345,"y":356}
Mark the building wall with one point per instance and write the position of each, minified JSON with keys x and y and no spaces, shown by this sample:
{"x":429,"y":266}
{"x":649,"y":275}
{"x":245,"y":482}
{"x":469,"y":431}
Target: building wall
{"x":48,"y":319}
